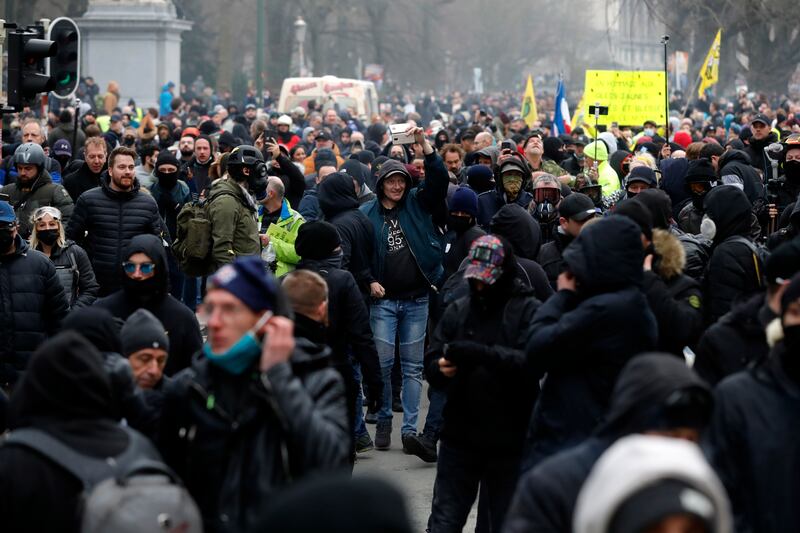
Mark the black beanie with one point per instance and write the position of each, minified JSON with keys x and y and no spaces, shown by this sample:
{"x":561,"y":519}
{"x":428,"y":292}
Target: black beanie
{"x":700,"y":170}
{"x":165,"y":157}
{"x":637,"y":212}
{"x":143,"y":330}
{"x":317,"y":240}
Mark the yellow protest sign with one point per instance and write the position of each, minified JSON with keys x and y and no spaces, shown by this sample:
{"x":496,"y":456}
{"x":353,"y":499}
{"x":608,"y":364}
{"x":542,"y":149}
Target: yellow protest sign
{"x":631,"y":96}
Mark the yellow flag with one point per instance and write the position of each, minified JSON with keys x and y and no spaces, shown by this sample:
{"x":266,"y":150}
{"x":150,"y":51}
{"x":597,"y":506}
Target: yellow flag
{"x":529,"y":114}
{"x":709,"y":71}
{"x":577,"y":117}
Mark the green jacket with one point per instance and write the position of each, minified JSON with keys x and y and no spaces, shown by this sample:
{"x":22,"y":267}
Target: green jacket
{"x":234,"y":228}
{"x":282,"y":235}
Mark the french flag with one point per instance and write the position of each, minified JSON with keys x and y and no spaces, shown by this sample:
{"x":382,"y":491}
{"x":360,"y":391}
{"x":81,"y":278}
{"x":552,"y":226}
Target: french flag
{"x":561,"y":120}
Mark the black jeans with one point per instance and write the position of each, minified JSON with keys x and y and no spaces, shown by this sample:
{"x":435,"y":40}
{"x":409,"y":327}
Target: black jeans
{"x":459,"y":472}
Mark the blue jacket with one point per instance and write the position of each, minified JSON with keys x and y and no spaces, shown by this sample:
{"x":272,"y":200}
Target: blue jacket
{"x":490,"y":202}
{"x":165,"y":101}
{"x":415,"y":214}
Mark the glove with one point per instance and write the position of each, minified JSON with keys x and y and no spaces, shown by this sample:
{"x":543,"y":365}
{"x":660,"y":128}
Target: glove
{"x":465,"y":353}
{"x":374,"y":393}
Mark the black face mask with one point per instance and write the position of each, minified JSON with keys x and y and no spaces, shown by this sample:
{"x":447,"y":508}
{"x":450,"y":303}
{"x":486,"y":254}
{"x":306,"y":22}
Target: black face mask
{"x":6,"y":240}
{"x":142,"y":291}
{"x":459,"y":223}
{"x":129,"y":141}
{"x":792,"y":171}
{"x":630,"y":194}
{"x":48,"y":236}
{"x":791,"y":357}
{"x":167,"y":180}
{"x":545,"y":212}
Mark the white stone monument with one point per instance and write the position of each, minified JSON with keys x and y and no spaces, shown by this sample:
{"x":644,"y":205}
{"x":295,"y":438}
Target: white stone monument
{"x":136,"y":43}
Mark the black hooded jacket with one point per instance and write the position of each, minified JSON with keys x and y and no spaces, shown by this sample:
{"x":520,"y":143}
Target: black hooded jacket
{"x":734,"y":270}
{"x":734,"y":165}
{"x":338,"y":202}
{"x":755,"y":445}
{"x":66,"y":393}
{"x":153,"y":294}
{"x":550,"y":255}
{"x":673,"y":182}
{"x":32,"y":306}
{"x":112,"y":218}
{"x":545,"y":498}
{"x":582,"y":339}
{"x":755,"y":152}
{"x":82,"y":180}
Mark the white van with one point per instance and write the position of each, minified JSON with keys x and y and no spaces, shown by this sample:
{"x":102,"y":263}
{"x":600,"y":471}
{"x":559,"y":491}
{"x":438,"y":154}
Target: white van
{"x":328,"y":91}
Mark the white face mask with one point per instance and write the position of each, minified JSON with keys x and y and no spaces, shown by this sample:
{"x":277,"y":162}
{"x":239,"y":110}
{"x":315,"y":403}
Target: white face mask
{"x":708,"y":228}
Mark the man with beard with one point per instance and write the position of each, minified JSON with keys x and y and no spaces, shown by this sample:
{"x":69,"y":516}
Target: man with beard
{"x":88,"y":176}
{"x":186,"y":145}
{"x":145,"y":276}
{"x":106,"y":218}
{"x":477,"y":354}
{"x":573,"y":212}
{"x":762,"y":137}
{"x":196,"y":170}
{"x":34,"y":188}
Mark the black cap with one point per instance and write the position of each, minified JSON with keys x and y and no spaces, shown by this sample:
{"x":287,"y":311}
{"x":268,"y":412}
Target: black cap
{"x":323,"y":135}
{"x":577,"y":206}
{"x":783,"y":262}
{"x":642,"y":174}
{"x":761,"y":117}
{"x":700,"y":170}
{"x":581,"y":140}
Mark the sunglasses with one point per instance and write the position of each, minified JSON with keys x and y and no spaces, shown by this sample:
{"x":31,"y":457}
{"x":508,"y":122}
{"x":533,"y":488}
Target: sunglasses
{"x":145,"y":268}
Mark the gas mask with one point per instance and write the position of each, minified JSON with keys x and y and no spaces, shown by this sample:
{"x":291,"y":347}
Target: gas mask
{"x":546,"y":199}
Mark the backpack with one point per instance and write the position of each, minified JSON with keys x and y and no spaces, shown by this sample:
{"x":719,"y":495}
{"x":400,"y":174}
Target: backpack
{"x":193,"y":242}
{"x":121,"y":493}
{"x":760,"y":255}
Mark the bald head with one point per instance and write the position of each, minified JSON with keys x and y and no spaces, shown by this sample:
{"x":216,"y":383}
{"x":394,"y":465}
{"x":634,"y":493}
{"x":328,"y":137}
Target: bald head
{"x":275,"y":185}
{"x":482,"y":140}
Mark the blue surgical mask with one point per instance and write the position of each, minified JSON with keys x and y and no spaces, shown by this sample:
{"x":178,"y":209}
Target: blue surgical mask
{"x":241,"y":355}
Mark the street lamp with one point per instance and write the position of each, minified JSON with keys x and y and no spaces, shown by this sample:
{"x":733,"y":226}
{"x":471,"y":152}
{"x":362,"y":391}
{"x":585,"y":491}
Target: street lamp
{"x":300,"y":37}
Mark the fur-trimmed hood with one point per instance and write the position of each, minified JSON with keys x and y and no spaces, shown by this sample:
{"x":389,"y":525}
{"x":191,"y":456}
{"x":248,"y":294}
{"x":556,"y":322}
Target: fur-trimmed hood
{"x":672,"y":256}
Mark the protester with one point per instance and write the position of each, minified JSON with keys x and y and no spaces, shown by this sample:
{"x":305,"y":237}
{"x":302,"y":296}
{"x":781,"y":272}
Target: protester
{"x":89,"y":175}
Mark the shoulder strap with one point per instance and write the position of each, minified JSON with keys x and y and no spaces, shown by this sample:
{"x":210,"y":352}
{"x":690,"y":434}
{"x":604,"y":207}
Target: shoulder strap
{"x":753,"y":251}
{"x":72,"y":260}
{"x":88,"y":470}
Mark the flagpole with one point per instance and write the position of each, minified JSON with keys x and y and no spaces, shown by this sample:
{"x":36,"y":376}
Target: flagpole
{"x":664,"y":41}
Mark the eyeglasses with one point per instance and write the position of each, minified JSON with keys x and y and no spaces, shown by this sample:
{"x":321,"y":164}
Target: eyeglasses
{"x":227,"y":312}
{"x":145,"y":268}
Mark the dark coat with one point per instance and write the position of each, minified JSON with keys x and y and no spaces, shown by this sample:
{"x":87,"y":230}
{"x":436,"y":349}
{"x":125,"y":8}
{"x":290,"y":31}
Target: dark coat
{"x":32,"y":306}
{"x":518,"y":226}
{"x":83,"y":289}
{"x":490,"y":202}
{"x":551,"y":256}
{"x":291,"y":422}
{"x":457,"y":247}
{"x":294,"y":182}
{"x":81,"y":181}
{"x":178,"y":320}
{"x":581,"y":340}
{"x":339,"y":205}
{"x":735,"y":341}
{"x":43,"y":193}
{"x":490,"y":399}
{"x":755,"y":445}
{"x":546,"y":495}
{"x":755,"y":154}
{"x":112,"y":219}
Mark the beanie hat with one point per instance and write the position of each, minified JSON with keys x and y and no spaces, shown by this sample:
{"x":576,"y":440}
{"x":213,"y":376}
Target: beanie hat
{"x":682,"y":137}
{"x":227,"y":139}
{"x":325,"y":157}
{"x":464,"y":199}
{"x":700,"y":170}
{"x":247,"y":279}
{"x":637,"y":212}
{"x":165,"y":157}
{"x":143,"y":330}
{"x":365,"y":156}
{"x":316,"y":240}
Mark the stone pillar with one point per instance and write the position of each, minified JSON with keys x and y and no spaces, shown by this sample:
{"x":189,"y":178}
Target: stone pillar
{"x":136,"y":43}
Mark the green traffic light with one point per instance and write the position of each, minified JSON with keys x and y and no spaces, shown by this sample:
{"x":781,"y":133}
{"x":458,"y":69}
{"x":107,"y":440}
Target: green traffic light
{"x":65,"y":80}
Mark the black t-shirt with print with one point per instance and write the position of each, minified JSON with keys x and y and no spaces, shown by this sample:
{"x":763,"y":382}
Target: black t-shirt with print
{"x":402,"y":278}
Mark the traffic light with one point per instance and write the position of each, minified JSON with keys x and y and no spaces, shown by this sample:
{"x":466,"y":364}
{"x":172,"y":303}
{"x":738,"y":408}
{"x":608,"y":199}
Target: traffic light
{"x":27,"y":73}
{"x":65,"y":64}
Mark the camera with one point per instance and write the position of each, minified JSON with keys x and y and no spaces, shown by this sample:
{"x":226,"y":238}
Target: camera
{"x":399,"y":134}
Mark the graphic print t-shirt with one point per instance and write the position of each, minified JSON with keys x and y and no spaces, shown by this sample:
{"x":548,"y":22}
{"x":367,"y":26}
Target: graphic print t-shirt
{"x":401,"y":276}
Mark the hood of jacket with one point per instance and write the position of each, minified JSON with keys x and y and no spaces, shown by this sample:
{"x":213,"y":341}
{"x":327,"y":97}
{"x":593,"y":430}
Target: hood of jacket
{"x":616,"y":160}
{"x":387,"y":168}
{"x":152,"y":247}
{"x":606,"y":256}
{"x":670,"y":252}
{"x":729,"y":208}
{"x":518,"y":226}
{"x":65,"y":380}
{"x":643,"y":384}
{"x":336,"y":193}
{"x":637,"y":462}
{"x":730,"y":156}
{"x":659,"y":204}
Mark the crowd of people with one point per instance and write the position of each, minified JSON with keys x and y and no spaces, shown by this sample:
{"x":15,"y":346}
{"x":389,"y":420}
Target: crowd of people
{"x":211,"y":296}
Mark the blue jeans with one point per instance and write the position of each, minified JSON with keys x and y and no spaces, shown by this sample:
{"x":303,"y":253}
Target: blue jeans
{"x":359,"y":427}
{"x":408,"y":319}
{"x":191,"y":292}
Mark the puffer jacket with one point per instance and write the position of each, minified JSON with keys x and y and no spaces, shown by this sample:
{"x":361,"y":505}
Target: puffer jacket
{"x":43,"y":193}
{"x":234,"y":228}
{"x":338,"y":202}
{"x":674,"y":297}
{"x":76,"y":274}
{"x":582,"y":339}
{"x":291,"y":423}
{"x":82,"y":180}
{"x":490,"y":202}
{"x":105,"y":221}
{"x":32,"y":305}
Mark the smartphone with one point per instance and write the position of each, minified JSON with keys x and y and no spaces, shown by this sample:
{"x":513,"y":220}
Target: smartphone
{"x":506,"y":145}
